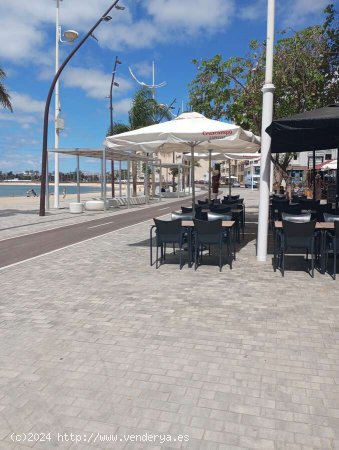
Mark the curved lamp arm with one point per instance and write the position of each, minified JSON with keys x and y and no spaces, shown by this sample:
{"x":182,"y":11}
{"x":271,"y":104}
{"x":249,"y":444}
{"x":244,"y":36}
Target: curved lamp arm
{"x":104,"y":17}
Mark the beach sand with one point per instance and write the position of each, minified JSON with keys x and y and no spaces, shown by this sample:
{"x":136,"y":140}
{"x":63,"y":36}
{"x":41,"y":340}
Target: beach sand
{"x":34,"y":202}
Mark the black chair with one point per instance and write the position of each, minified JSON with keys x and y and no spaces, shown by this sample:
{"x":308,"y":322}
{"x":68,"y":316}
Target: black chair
{"x":297,"y":236}
{"x":321,"y":210}
{"x":203,"y":203}
{"x":207,"y":233}
{"x":277,"y":207}
{"x":332,"y":246}
{"x":221,"y":209}
{"x":182,"y":216}
{"x":298,"y":198}
{"x":229,"y":202}
{"x":291,"y":209}
{"x":235,"y":197}
{"x":331,"y":217}
{"x":308,"y":204}
{"x":296,"y":218}
{"x":184,"y":209}
{"x":168,"y":232}
{"x":227,"y":232}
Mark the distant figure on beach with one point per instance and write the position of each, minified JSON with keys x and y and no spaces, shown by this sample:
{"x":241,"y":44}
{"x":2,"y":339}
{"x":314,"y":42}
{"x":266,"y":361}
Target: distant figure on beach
{"x":31,"y":192}
{"x":64,"y":193}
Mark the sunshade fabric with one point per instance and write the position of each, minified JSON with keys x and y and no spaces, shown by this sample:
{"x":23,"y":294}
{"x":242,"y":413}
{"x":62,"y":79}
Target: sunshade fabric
{"x":317,"y":129}
{"x":185,"y":131}
{"x":331,"y":165}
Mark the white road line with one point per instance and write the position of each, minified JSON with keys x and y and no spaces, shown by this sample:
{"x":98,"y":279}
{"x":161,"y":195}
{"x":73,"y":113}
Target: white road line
{"x":100,"y":225}
{"x":167,"y":207}
{"x":72,"y":245}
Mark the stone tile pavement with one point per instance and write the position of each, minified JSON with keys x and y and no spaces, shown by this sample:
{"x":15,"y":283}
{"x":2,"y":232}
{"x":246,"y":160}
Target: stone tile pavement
{"x":95,"y":344}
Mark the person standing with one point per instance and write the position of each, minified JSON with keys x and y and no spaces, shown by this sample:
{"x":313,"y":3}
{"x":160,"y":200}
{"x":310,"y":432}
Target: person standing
{"x":318,"y":187}
{"x":215,"y":183}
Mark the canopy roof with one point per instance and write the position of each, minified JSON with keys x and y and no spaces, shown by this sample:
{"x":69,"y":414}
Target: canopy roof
{"x":317,"y":129}
{"x":116,"y":154}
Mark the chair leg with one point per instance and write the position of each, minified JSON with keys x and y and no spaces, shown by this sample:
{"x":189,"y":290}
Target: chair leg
{"x":173,"y":248}
{"x":283,"y":263}
{"x":220,"y":256}
{"x":196,"y":251}
{"x":157,"y":258}
{"x":334,"y":259}
{"x":312,"y":273}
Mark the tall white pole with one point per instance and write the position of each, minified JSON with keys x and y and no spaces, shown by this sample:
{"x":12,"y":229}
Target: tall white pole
{"x":265,"y":160}
{"x":104,"y":177}
{"x":153,"y":79}
{"x":251,"y":164}
{"x":56,"y":110}
{"x":120,"y":179}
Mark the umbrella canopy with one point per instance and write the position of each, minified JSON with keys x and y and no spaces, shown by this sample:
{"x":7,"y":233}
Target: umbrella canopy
{"x":317,"y":129}
{"x":331,"y":165}
{"x":308,"y":131}
{"x":188,"y":131}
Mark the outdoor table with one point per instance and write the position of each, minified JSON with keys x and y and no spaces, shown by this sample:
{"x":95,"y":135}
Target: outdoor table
{"x":319,"y":226}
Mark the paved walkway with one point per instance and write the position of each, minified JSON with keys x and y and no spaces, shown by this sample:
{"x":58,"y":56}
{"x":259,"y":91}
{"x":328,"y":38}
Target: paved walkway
{"x":95,"y":344}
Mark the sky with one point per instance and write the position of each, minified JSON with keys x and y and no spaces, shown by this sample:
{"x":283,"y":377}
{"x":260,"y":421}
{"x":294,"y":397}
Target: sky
{"x":169,"y":32}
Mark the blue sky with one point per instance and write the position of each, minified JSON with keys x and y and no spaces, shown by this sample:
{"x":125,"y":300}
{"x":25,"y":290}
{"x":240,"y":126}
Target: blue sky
{"x":169,"y":32}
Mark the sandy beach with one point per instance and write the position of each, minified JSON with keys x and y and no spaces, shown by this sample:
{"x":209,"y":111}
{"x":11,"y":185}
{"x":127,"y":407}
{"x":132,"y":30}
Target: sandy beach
{"x":23,"y":202}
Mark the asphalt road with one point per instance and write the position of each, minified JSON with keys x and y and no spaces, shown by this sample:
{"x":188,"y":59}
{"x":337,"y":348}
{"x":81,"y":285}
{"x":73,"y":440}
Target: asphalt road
{"x":20,"y":248}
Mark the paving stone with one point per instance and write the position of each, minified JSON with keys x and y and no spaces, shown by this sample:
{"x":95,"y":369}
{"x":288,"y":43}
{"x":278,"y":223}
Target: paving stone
{"x":93,"y":339}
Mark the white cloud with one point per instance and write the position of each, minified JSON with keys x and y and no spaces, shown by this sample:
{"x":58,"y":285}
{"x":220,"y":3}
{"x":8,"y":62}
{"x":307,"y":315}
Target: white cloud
{"x":140,"y":25}
{"x":297,"y":12}
{"x":94,"y":82}
{"x":191,"y":15}
{"x":25,"y":103}
{"x":254,"y":11}
{"x":288,"y":12}
{"x":123,"y":106}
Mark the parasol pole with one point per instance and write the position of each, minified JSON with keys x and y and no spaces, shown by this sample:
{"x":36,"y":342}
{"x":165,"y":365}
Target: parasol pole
{"x":192,"y":177}
{"x":314,"y":174}
{"x":209,"y":174}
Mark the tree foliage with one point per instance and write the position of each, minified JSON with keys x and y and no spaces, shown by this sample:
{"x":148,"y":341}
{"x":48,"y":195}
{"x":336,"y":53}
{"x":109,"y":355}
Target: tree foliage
{"x":5,"y":98}
{"x":145,"y":111}
{"x":305,"y":76}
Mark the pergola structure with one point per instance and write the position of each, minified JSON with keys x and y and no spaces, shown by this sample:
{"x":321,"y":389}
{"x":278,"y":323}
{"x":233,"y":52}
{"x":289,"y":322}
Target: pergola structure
{"x":105,"y":154}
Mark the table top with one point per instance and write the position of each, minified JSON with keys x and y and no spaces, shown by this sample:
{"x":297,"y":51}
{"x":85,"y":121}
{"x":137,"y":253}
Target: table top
{"x":225,"y":223}
{"x":318,"y":225}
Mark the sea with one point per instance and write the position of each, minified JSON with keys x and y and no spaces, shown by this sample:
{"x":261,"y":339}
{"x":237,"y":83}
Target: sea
{"x":13,"y":190}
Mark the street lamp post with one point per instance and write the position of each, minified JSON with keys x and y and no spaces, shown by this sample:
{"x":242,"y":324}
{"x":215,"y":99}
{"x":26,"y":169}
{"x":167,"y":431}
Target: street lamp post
{"x":70,"y":36}
{"x":267,"y":114}
{"x":113,"y":83}
{"x":105,"y":17}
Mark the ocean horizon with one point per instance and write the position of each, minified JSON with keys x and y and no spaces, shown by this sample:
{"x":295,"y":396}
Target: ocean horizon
{"x":13,"y":190}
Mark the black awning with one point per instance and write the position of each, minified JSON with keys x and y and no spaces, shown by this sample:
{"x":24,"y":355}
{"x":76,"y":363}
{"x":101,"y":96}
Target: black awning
{"x":310,"y":130}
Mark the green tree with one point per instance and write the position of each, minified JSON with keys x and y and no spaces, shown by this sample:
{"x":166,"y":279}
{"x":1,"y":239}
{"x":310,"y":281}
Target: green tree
{"x":145,"y":111}
{"x":305,"y":77}
{"x":5,"y":98}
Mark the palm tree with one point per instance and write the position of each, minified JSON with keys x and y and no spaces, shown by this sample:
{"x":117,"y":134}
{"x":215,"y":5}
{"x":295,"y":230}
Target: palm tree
{"x":5,"y":99}
{"x":145,"y":111}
